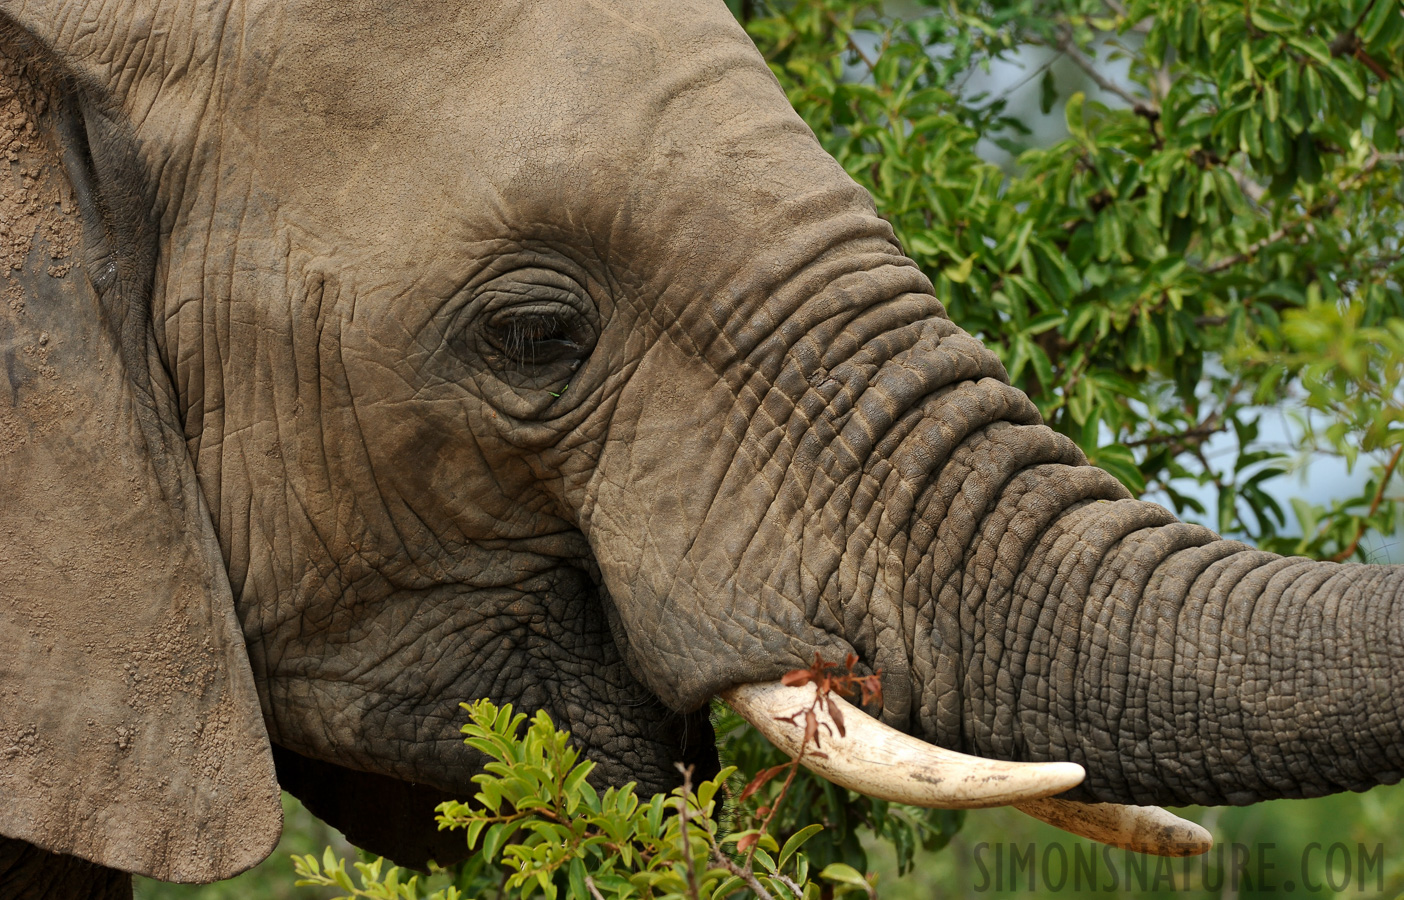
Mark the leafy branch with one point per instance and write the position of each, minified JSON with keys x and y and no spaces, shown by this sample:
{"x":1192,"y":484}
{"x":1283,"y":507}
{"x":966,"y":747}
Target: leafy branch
{"x":539,"y":826}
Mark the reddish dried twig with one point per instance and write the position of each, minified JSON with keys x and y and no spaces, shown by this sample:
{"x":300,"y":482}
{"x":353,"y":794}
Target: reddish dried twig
{"x":827,"y":682}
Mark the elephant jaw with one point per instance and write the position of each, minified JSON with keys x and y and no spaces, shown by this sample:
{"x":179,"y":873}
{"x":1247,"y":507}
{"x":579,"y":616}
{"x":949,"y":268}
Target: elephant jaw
{"x":877,"y":760}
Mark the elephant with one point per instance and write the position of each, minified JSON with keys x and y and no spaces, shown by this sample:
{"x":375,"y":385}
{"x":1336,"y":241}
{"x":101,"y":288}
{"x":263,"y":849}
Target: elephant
{"x":362,"y":358}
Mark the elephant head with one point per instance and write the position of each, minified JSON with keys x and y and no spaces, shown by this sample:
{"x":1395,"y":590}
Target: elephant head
{"x":364,"y":358}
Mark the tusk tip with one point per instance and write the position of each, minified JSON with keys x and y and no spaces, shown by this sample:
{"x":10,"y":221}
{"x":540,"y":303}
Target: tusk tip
{"x":1066,"y":775}
{"x":1143,"y":829}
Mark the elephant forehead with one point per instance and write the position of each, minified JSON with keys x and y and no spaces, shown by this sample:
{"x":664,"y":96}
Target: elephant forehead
{"x":413,"y":125}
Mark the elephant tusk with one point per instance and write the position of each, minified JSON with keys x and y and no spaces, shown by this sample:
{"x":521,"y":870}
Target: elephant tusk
{"x":1144,"y":829}
{"x":880,"y":761}
{"x":877,"y":760}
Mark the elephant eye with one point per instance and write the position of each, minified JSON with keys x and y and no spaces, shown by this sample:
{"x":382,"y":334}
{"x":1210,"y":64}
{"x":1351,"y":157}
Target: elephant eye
{"x":534,"y":337}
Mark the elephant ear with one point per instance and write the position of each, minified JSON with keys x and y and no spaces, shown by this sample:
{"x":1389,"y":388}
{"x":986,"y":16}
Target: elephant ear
{"x":130,"y":729}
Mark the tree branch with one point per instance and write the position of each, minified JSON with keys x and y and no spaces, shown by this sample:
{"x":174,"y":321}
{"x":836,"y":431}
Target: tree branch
{"x":693,"y":890}
{"x":1182,"y":440}
{"x":745,"y":874}
{"x":1086,"y":64}
{"x":1228,"y":262}
{"x":1360,"y":529}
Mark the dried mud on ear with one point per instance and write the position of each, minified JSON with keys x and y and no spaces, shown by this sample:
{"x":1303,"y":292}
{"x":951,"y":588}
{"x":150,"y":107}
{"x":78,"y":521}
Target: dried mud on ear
{"x":37,"y":216}
{"x":35,"y":206}
{"x":130,"y":731}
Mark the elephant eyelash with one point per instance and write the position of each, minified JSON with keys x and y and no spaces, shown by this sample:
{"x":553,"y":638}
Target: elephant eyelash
{"x":534,"y":338}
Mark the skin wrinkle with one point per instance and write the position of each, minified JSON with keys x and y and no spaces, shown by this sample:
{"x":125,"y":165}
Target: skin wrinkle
{"x":1270,"y":732}
{"x":1108,"y":668}
{"x":1156,"y":546}
{"x":1164,"y":601}
{"x":1073,"y":563}
{"x":1169,"y":724}
{"x":1113,"y":591}
{"x":998,"y":606}
{"x":1213,"y":592}
{"x":1069,"y":569}
{"x":975,"y":588}
{"x":1301,"y":586}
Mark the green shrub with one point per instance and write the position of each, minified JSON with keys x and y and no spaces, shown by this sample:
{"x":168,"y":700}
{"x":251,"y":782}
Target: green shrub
{"x":538,"y":826}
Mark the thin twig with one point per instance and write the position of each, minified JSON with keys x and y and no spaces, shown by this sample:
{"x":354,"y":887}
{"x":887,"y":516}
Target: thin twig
{"x":780,"y":798}
{"x":745,"y":874}
{"x":1374,"y":505}
{"x":1372,"y":64}
{"x":1086,"y":64}
{"x":693,"y":889}
{"x":1198,"y":434}
{"x":789,"y":883}
{"x":852,"y":44}
{"x":1009,"y":91}
{"x":1247,"y":185}
{"x":1253,"y":249}
{"x":594,"y":891}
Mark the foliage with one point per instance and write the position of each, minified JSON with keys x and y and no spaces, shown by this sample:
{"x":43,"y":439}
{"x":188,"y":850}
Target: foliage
{"x":1243,"y":172}
{"x":540,"y":827}
{"x":1350,"y":374}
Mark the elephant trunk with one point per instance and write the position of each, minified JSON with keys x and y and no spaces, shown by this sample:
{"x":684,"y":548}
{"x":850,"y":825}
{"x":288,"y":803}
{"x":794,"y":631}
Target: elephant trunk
{"x":841,"y":469}
{"x":1176,"y":667}
{"x":1045,"y":615}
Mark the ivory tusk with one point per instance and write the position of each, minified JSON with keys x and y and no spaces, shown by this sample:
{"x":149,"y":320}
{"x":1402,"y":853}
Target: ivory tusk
{"x":880,"y":761}
{"x":1144,"y":829}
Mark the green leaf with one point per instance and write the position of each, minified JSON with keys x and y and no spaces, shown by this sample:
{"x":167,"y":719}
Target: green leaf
{"x":843,"y":874}
{"x":1048,"y":91}
{"x":1381,"y":11}
{"x":1347,"y":77}
{"x":1312,"y":46}
{"x":1119,"y":461}
{"x":796,"y":841}
{"x":1250,"y":133}
{"x":960,"y":274}
{"x":497,"y":836}
{"x":1308,"y":160}
{"x":1275,"y":142}
{"x":1268,"y":19}
{"x":1073,"y":115}
{"x":1228,"y":511}
{"x":474,"y":830}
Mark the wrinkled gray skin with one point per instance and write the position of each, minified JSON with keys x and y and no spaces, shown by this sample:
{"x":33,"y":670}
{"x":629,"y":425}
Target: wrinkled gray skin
{"x":536,"y":351}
